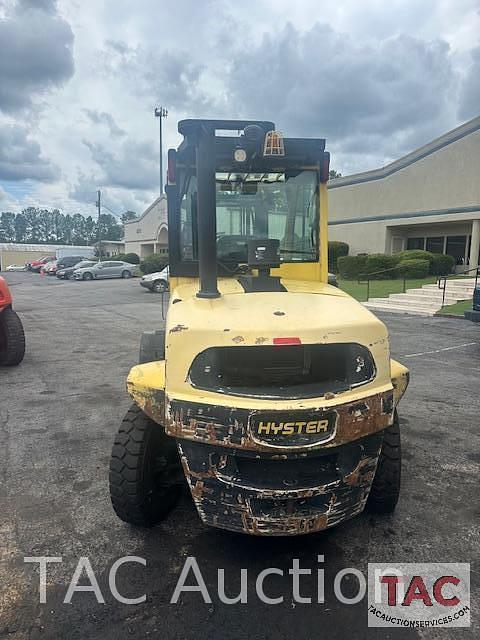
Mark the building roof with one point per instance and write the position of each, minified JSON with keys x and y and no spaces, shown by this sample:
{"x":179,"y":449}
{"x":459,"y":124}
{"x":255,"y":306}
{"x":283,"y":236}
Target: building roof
{"x":147,"y":210}
{"x":15,"y":246}
{"x":435,"y":145}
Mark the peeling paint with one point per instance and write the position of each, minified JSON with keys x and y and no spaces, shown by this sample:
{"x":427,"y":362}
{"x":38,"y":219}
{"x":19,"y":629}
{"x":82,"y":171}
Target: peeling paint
{"x":230,"y":427}
{"x":231,"y":494}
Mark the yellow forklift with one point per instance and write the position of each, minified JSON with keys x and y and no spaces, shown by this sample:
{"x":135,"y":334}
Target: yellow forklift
{"x":270,"y":391}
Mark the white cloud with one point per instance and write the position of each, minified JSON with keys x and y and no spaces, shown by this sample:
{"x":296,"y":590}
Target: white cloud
{"x":376,"y":80}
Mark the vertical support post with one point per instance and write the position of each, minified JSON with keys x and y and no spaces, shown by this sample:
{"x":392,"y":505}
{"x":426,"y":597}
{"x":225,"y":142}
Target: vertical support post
{"x":474,"y":244}
{"x":207,"y":219}
{"x":323,"y":231}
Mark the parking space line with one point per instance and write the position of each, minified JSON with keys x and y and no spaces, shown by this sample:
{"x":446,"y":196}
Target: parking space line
{"x":426,"y":353}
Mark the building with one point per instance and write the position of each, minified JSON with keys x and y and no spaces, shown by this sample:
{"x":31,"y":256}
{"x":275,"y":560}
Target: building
{"x":149,"y":233}
{"x":110,"y":248}
{"x":15,"y":253}
{"x":429,"y":199}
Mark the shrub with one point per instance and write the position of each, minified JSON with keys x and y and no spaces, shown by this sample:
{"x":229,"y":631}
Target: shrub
{"x":335,"y":251}
{"x":413,"y":268}
{"x":415,"y":254}
{"x":154,"y":262}
{"x":380,"y":262}
{"x":442,"y":265}
{"x":350,"y":267}
{"x":132,"y":258}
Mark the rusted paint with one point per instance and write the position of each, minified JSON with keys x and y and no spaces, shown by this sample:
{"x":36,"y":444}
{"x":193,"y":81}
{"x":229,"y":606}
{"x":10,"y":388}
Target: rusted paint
{"x":229,"y":497}
{"x":238,"y":339}
{"x":261,"y":340}
{"x":229,"y":427}
{"x":279,"y":313}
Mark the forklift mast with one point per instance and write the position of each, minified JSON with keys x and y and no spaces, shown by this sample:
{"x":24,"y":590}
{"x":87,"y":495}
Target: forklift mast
{"x":259,"y":176}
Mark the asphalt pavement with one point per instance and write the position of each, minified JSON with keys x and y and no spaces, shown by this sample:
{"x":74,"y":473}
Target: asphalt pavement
{"x":59,"y":411}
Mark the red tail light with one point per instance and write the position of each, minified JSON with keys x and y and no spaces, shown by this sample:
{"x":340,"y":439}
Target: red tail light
{"x":280,"y":341}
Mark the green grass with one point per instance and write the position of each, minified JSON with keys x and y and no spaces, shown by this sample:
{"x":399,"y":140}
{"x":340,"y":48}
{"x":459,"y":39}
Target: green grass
{"x":381,"y":288}
{"x":456,"y":309}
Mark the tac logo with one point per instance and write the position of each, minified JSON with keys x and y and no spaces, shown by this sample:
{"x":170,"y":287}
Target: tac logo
{"x":419,"y":595}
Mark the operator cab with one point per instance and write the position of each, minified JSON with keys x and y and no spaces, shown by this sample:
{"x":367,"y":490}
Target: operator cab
{"x":240,"y":205}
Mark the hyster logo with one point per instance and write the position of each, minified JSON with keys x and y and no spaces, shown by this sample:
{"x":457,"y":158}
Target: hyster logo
{"x":292,"y":428}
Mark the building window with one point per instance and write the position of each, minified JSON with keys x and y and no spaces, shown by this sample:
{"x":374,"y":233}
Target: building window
{"x":416,"y":243}
{"x":457,"y":247}
{"x":435,"y":244}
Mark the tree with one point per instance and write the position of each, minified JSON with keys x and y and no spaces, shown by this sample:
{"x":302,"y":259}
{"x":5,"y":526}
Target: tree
{"x":7,"y":226}
{"x":128,"y":215}
{"x":334,"y":174}
{"x":45,"y":226}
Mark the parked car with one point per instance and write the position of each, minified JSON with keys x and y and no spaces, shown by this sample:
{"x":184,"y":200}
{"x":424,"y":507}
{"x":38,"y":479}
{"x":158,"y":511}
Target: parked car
{"x":36,"y":265}
{"x":106,"y":269}
{"x":332,"y":279}
{"x":69,"y":261}
{"x":67,"y":272}
{"x":16,"y":267}
{"x":45,"y":268}
{"x":156,"y":282}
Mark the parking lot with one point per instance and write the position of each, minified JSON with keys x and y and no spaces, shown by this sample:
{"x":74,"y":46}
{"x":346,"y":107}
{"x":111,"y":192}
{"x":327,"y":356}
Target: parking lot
{"x":59,"y":411}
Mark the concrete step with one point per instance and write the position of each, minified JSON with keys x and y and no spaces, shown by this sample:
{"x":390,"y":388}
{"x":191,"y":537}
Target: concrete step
{"x":392,"y":308}
{"x":423,"y":299}
{"x":434,"y":306}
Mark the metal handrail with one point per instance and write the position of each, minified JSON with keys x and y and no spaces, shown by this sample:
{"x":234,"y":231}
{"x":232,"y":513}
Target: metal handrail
{"x":368,"y":276}
{"x":442,"y":280}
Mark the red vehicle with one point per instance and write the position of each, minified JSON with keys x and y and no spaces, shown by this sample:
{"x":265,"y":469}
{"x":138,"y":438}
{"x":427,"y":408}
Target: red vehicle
{"x":36,"y":265}
{"x":12,"y":337}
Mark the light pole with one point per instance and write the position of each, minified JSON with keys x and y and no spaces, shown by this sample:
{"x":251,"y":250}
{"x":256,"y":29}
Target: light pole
{"x":160,"y":113}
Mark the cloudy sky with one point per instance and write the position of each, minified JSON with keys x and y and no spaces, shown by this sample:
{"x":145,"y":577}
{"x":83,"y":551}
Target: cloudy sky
{"x":79,"y":80}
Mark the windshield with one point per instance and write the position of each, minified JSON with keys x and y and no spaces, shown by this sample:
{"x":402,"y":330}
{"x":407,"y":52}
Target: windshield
{"x":280,"y":205}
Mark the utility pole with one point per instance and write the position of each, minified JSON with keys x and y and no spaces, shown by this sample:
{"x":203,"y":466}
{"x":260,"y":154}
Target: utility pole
{"x":99,"y":232}
{"x":161,"y":113}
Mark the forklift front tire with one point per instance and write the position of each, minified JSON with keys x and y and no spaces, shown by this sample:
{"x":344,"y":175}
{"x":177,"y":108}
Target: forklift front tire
{"x":146,"y":477}
{"x":12,"y":338}
{"x":385,"y":489}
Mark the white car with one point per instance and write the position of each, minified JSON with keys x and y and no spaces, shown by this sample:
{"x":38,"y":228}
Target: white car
{"x":156,"y":282}
{"x":16,"y":267}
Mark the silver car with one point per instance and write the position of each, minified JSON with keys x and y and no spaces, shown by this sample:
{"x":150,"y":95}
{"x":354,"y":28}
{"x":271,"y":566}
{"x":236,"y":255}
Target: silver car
{"x":106,"y":269}
{"x":156,"y":282}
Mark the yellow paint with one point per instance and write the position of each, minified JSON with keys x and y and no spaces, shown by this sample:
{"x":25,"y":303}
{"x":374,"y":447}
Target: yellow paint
{"x":311,"y":310}
{"x":400,"y":378}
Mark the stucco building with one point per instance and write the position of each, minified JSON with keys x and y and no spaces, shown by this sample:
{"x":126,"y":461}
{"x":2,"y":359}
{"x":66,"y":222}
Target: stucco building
{"x":148,"y":233}
{"x":429,"y":199}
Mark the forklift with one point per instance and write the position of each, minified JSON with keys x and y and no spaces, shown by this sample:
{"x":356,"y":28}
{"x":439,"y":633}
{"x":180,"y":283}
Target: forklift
{"x":12,"y":336}
{"x":270,"y":391}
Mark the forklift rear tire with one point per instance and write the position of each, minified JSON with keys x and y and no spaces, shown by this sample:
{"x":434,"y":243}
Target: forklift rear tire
{"x":144,"y":471}
{"x":12,"y":338}
{"x":385,"y":489}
